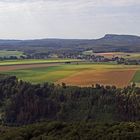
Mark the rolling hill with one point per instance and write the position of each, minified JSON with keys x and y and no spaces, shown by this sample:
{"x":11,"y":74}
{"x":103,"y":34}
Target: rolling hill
{"x":110,"y":42}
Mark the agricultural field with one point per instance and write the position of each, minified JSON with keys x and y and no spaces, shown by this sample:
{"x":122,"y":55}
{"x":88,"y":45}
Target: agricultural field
{"x":35,"y":61}
{"x":77,"y":74}
{"x":8,"y":54}
{"x":114,"y":54}
{"x":120,"y":55}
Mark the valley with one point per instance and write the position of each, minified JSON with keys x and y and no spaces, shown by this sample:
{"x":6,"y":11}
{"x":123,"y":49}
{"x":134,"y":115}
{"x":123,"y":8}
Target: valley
{"x":69,"y":70}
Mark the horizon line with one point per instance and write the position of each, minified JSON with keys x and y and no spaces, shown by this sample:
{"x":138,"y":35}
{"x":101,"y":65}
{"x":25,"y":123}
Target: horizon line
{"x":43,"y":38}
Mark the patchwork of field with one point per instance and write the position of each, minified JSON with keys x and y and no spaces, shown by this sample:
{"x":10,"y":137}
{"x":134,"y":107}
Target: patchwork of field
{"x":78,"y":74}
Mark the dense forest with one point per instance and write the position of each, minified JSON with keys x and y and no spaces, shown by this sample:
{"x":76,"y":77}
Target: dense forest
{"x":24,"y":103}
{"x":73,"y":131}
{"x":99,"y":107}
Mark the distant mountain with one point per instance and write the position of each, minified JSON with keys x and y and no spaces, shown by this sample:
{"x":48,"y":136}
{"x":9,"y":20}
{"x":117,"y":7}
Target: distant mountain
{"x":120,"y":38}
{"x":110,"y":42}
{"x":119,"y":43}
{"x":125,"y":37}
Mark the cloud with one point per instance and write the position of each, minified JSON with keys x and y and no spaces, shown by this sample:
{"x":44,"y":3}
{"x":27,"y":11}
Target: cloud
{"x":96,"y":2}
{"x":68,"y":18}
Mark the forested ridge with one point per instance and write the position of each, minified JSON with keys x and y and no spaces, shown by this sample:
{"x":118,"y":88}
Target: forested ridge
{"x":23,"y":103}
{"x":39,"y":47}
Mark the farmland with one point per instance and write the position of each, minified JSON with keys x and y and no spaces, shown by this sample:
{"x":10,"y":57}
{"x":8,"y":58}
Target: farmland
{"x":81,"y":74}
{"x":120,"y":55}
{"x":35,"y":61}
{"x":114,"y":54}
{"x":105,"y":77}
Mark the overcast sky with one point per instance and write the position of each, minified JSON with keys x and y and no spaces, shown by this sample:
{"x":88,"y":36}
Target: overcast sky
{"x":27,"y":19}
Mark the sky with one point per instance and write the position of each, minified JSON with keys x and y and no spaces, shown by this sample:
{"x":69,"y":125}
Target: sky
{"x":30,"y":19}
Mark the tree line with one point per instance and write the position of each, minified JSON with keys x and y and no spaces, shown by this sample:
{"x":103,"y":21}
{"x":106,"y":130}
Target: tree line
{"x":24,"y":103}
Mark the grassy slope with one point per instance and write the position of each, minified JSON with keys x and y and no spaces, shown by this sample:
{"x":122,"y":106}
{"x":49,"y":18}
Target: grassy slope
{"x":54,"y":73}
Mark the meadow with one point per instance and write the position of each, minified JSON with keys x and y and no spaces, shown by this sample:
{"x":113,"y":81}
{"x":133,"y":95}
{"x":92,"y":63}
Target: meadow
{"x":79,"y":74}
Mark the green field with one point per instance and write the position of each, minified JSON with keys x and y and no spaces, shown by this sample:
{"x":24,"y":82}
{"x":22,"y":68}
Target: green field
{"x":55,"y":73}
{"x":35,"y":61}
{"x":50,"y":74}
{"x":8,"y":54}
{"x":39,"y":75}
{"x":136,"y":78}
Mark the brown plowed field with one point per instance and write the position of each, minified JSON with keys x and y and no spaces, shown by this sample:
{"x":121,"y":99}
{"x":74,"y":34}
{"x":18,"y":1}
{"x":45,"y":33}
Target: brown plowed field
{"x":25,"y":66}
{"x":119,"y":78}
